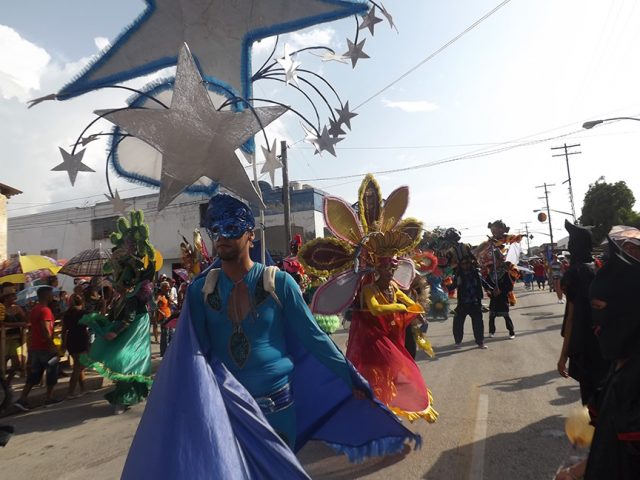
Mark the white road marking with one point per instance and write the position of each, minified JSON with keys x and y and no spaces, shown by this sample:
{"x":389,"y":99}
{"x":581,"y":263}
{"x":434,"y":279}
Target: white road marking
{"x":479,"y":438}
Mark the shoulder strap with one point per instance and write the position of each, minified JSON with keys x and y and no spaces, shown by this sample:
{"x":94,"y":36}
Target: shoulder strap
{"x":269,"y":282}
{"x":210,"y":282}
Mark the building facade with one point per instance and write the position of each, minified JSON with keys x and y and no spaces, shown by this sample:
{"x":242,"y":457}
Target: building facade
{"x":61,"y":234}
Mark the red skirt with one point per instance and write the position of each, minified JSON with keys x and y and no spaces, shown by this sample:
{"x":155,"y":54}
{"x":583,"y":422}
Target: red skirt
{"x":376,"y":349}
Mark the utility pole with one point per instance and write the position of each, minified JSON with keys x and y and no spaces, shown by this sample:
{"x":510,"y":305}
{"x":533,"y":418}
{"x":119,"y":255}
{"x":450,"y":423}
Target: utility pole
{"x":286,"y":198}
{"x":546,"y":197}
{"x":526,"y":229}
{"x":566,"y":154}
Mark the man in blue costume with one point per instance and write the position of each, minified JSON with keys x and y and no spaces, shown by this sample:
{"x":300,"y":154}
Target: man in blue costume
{"x":251,"y":371}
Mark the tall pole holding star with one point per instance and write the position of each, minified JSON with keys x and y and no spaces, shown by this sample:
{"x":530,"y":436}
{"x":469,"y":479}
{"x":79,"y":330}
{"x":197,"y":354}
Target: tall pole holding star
{"x":286,"y":197}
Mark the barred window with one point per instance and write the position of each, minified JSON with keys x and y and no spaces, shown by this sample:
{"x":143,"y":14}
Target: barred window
{"x":102,"y":228}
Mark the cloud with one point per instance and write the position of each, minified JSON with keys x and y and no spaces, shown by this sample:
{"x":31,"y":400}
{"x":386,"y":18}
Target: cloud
{"x":22,"y":65}
{"x":316,"y":36}
{"x":410,"y":106}
{"x":101,"y":42}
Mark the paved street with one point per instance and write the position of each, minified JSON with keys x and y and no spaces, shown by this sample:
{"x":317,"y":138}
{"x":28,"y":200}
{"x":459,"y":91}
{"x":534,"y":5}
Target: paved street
{"x":500,"y":416}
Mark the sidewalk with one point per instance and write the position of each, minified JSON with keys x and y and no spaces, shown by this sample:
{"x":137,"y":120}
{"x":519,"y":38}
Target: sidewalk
{"x":93,"y":382}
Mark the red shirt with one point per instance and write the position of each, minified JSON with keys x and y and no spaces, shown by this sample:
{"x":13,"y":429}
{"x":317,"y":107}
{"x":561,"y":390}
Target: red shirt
{"x":538,"y":270}
{"x":40,"y":314}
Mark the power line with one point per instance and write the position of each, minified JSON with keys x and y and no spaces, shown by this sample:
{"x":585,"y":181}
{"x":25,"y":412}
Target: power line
{"x":432,"y":55}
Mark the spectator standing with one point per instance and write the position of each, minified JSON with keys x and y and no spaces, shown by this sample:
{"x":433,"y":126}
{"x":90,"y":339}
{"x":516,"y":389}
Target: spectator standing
{"x":43,"y":354}
{"x":539,"y":274}
{"x":15,"y":319}
{"x":75,"y":339}
{"x":555,"y":270}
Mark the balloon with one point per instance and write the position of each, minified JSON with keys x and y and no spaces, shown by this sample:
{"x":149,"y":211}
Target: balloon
{"x":577,"y":427}
{"x":542,"y":217}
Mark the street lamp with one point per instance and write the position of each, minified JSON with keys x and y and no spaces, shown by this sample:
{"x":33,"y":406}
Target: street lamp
{"x":592,"y":123}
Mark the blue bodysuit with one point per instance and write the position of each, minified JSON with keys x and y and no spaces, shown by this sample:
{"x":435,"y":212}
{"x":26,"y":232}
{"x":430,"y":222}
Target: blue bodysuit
{"x":268,"y":367}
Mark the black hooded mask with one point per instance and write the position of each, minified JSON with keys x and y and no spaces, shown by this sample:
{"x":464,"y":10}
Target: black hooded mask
{"x":617,"y":326}
{"x":580,"y":243}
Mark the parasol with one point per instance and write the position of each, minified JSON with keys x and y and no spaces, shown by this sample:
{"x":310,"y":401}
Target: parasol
{"x":88,"y":263}
{"x":31,"y":293}
{"x":17,"y":270}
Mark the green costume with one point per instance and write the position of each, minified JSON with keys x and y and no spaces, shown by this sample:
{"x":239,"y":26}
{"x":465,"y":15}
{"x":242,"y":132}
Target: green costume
{"x":126,"y":359}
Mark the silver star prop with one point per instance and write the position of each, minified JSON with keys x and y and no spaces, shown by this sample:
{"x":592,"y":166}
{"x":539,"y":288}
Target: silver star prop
{"x":290,"y":66}
{"x":331,"y":57}
{"x":335,"y":128}
{"x":389,"y":18}
{"x":355,"y":52}
{"x":72,"y":164}
{"x":119,"y":205}
{"x":369,"y":20}
{"x":195,"y":139}
{"x":345,"y":116}
{"x":323,"y":143}
{"x":84,"y":141}
{"x":272,"y":163}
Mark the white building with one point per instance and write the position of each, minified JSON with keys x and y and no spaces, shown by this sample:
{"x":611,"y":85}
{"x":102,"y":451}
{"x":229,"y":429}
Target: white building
{"x":61,"y":234}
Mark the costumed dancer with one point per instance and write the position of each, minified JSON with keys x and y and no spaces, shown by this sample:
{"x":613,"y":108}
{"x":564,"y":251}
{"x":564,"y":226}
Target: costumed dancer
{"x":250,"y":377}
{"x":366,"y":251}
{"x":499,"y":292}
{"x":580,"y":344}
{"x":122,"y":348}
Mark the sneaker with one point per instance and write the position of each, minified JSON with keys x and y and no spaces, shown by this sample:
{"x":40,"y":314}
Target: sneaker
{"x":491,"y":335}
{"x":458,"y":345}
{"x":512,"y":336}
{"x":482,"y":346}
{"x":51,"y":402}
{"x":119,"y":409}
{"x":561,"y":301}
{"x":22,"y":405}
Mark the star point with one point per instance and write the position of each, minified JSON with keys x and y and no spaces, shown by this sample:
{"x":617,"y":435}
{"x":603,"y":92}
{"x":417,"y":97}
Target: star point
{"x":289,"y":65}
{"x":345,"y":116}
{"x":323,"y":142}
{"x":119,"y":205}
{"x":272,"y":163}
{"x":72,"y":164}
{"x":370,"y":20}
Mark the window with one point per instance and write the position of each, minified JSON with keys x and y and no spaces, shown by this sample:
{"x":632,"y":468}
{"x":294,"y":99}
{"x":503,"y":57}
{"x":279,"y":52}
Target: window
{"x":203,"y":213}
{"x":102,"y":228}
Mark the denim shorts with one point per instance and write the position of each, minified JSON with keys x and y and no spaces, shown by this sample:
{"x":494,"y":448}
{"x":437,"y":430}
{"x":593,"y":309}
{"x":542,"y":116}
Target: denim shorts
{"x":39,"y":363}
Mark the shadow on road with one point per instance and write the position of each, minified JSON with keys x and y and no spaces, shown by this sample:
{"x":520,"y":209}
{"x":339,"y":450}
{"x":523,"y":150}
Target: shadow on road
{"x":524,"y":383}
{"x":321,"y":462}
{"x":567,"y":395}
{"x":533,"y":453}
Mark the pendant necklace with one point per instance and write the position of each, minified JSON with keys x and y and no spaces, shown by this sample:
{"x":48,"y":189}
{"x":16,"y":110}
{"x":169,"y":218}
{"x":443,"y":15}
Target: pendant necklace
{"x":239,"y":346}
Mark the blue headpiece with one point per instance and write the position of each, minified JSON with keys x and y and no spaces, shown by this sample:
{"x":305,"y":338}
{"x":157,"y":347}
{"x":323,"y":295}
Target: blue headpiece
{"x":228,"y":217}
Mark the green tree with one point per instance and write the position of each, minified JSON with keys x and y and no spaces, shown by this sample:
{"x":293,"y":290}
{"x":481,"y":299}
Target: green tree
{"x":606,"y":205}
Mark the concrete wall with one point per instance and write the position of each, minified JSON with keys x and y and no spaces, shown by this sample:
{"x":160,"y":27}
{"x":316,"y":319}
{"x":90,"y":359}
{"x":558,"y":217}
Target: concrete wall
{"x":3,"y":227}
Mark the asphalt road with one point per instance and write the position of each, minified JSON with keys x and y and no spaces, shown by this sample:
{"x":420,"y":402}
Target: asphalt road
{"x":501,"y":416}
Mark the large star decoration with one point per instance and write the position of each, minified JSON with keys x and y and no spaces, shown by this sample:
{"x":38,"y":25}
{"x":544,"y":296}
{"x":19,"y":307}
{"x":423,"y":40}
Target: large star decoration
{"x":272,"y":163}
{"x":369,"y":20}
{"x":220,"y":34}
{"x":290,"y":66}
{"x":335,"y":128}
{"x":119,"y":205}
{"x":355,"y":52}
{"x":72,"y":164}
{"x":322,"y":143}
{"x":194,"y":138}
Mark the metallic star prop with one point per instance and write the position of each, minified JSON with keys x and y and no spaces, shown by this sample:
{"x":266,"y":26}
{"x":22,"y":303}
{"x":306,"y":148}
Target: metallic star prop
{"x":84,"y":141}
{"x":335,"y":128}
{"x":272,"y":163}
{"x":355,"y":52}
{"x":194,"y":138}
{"x":219,"y":32}
{"x":290,"y":66}
{"x":72,"y":164}
{"x":119,"y":205}
{"x":388,"y":16}
{"x":345,"y":116}
{"x":331,"y":57}
{"x":369,"y":20}
{"x":322,"y":143}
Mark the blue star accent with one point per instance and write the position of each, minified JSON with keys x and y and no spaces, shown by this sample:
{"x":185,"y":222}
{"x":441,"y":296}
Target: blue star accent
{"x":152,"y":41}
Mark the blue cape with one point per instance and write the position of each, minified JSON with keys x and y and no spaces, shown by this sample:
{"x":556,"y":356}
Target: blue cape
{"x":200,"y":422}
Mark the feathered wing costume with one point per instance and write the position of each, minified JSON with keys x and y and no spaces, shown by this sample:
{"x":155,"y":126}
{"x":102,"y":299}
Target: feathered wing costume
{"x":362,"y":242}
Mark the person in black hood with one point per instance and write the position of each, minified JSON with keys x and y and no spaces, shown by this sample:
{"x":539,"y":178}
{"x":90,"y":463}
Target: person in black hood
{"x":615,"y":451}
{"x":580,"y":345}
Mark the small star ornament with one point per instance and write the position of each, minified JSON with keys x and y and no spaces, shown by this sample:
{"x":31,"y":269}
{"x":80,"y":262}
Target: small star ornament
{"x":370,"y":20}
{"x":72,"y":164}
{"x":331,"y":57}
{"x":290,"y":66}
{"x":119,"y":205}
{"x":195,"y":139}
{"x":355,"y":52}
{"x":389,"y":18}
{"x":345,"y":116}
{"x":272,"y":163}
{"x":323,"y":143}
{"x":335,"y":128}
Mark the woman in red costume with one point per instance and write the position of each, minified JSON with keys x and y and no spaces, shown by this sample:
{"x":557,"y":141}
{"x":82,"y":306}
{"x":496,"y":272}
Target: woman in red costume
{"x":376,"y":345}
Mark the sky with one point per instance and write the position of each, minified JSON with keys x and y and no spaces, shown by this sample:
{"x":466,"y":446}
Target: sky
{"x":521,"y":82}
